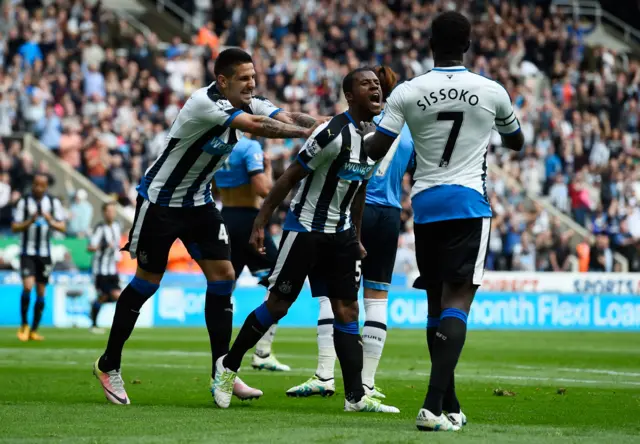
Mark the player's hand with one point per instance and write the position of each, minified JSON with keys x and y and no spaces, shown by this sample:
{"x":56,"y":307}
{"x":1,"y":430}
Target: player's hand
{"x":366,"y":128}
{"x":309,"y":131}
{"x":363,"y":251}
{"x":257,"y":239}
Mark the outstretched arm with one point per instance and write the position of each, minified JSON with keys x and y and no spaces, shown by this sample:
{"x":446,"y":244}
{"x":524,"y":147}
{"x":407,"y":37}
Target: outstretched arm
{"x":264,"y":126}
{"x":300,"y":119}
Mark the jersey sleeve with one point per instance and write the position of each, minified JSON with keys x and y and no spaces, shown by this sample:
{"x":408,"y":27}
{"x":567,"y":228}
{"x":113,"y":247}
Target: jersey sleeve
{"x":254,"y":159}
{"x":393,"y":120}
{"x":96,"y":237}
{"x":323,"y":145}
{"x":57,"y":210}
{"x":373,"y":170}
{"x":261,"y":106}
{"x":506,"y":121}
{"x":18,"y":214}
{"x":215,"y":112}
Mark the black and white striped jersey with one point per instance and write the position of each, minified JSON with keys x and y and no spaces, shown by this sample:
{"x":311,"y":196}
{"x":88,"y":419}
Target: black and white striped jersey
{"x":199,"y":141}
{"x":337,"y":167}
{"x":106,"y":239}
{"x":36,"y":240}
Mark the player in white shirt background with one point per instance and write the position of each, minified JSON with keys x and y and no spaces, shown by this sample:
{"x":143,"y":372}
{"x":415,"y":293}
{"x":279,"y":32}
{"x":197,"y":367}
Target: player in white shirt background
{"x":451,"y":114}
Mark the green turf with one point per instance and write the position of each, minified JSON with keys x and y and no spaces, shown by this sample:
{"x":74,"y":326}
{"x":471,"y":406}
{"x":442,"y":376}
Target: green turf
{"x":47,"y":392}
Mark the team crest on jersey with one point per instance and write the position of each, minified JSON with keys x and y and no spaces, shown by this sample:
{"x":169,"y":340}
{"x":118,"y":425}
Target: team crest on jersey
{"x":285,"y":287}
{"x":142,"y":257}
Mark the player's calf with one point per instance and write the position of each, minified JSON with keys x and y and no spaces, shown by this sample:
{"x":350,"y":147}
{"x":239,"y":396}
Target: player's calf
{"x":254,"y":327}
{"x":128,"y":309}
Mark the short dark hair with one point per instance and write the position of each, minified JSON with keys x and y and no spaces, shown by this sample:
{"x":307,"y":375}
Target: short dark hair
{"x":228,"y":60}
{"x":108,"y":204}
{"x":347,"y":82}
{"x":450,"y":34}
{"x":41,"y":174}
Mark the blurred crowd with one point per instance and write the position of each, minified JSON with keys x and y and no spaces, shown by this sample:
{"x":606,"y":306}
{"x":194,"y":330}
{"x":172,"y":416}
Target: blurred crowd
{"x":102,"y":96}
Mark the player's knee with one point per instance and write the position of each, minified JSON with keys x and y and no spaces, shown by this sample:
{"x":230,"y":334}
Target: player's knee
{"x":278,"y":307}
{"x":218,"y":271}
{"x":458,"y":295}
{"x":345,"y":311}
{"x":143,"y":291}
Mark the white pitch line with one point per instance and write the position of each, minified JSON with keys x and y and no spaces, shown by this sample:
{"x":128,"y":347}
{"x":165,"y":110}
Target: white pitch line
{"x":595,"y":371}
{"x":182,"y":353}
{"x":419,"y":376}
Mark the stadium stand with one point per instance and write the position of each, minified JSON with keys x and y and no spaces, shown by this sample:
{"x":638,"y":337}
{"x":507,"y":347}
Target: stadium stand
{"x":100,"y":95}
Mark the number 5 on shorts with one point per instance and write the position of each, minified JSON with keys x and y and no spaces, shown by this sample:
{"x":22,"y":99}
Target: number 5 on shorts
{"x":358,"y":271}
{"x":222,"y":234}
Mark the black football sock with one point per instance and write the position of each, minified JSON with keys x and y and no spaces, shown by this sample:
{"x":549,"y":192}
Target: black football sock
{"x":128,"y":308}
{"x":218,"y":314}
{"x":25,"y":299}
{"x":450,"y":403}
{"x":446,"y":350}
{"x":254,"y":327}
{"x":432,"y":328}
{"x":95,"y":309}
{"x":38,"y":308}
{"x":348,"y":345}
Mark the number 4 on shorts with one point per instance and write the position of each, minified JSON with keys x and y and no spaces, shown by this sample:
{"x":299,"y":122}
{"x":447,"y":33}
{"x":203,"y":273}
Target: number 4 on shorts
{"x":222,"y":234}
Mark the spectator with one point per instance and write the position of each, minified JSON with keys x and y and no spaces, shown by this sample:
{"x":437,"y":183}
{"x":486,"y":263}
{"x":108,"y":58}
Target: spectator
{"x":70,"y":146}
{"x":601,"y":256}
{"x":80,"y":215}
{"x":49,"y":129}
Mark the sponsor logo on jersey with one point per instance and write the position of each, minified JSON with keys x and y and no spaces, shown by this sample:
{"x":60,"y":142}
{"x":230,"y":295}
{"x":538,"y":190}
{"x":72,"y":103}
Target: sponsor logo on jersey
{"x":218,"y":147}
{"x":355,"y":171}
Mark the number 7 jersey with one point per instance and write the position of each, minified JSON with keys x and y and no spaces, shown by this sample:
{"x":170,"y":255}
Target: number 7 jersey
{"x":450,"y":113}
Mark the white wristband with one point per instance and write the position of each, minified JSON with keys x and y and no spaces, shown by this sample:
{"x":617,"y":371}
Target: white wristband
{"x":366,"y":136}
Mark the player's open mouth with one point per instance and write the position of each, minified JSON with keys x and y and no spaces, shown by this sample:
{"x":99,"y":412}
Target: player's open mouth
{"x":375,"y":98}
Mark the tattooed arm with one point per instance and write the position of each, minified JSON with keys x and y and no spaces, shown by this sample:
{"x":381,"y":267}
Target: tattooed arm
{"x":300,"y":119}
{"x":264,"y":126}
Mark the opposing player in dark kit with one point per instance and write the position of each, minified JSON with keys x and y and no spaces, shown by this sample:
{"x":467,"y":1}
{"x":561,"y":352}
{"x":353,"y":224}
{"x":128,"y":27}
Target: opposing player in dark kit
{"x":174,"y":201}
{"x":451,"y":113}
{"x":321,"y":237}
{"x":244,"y":180}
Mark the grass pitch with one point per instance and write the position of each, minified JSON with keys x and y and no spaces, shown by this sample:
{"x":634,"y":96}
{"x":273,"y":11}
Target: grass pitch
{"x":569,"y":388}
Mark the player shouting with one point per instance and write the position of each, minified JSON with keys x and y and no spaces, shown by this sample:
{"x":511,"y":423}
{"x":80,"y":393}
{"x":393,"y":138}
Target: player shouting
{"x":322,"y":237}
{"x":380,"y":231}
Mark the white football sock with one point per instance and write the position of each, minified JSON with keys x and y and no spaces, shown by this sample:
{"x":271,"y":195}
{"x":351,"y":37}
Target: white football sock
{"x":374,"y":335}
{"x":263,"y":347}
{"x":326,"y":352}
